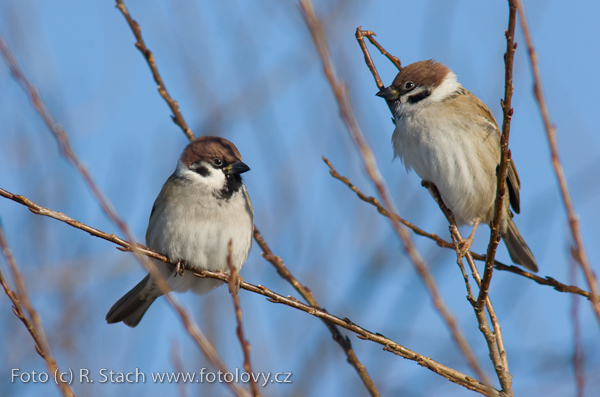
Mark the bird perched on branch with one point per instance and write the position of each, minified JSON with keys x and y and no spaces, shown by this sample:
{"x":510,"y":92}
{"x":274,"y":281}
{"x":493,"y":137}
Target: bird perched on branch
{"x":451,"y":140}
{"x":201,"y":207}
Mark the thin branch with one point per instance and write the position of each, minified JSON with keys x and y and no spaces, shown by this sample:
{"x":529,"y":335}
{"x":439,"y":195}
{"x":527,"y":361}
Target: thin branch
{"x":330,"y":320}
{"x":370,"y":36}
{"x":578,"y":252}
{"x":34,"y":327}
{"x":549,"y":281}
{"x":368,"y":60}
{"x":149,"y":56}
{"x":234,"y":285}
{"x":495,"y":342}
{"x":578,"y":353}
{"x":493,"y":339}
{"x":503,"y":166}
{"x":392,"y":215}
{"x":347,"y":115}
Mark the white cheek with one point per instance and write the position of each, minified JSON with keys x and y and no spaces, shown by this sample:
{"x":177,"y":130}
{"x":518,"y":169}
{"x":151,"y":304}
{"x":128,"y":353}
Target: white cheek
{"x":448,"y":87}
{"x":214,"y":181}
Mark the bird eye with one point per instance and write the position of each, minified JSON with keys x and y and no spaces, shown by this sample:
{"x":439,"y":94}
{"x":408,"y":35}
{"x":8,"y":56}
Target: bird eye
{"x":409,"y":85}
{"x":217,"y":162}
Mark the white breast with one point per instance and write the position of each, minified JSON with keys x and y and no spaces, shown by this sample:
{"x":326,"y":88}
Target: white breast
{"x":443,"y":149}
{"x":196,"y":228}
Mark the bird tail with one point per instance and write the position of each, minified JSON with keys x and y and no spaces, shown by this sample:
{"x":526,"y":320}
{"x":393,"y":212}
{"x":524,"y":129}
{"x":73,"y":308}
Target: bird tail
{"x":517,"y":247}
{"x":133,"y":305}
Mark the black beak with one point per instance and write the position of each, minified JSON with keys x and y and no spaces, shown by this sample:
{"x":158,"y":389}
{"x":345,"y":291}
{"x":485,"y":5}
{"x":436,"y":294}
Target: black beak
{"x":389,"y":93}
{"x":236,"y":168}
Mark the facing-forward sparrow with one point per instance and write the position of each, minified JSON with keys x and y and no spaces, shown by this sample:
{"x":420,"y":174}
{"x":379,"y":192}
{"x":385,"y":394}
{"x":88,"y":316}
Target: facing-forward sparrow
{"x":201,"y":207}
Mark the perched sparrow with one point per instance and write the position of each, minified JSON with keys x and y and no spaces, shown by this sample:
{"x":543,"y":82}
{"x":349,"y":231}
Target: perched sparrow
{"x":202,"y":206}
{"x":451,"y":139}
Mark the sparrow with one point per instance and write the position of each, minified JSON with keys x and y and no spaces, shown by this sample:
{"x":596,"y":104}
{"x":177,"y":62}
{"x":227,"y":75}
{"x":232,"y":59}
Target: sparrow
{"x":451,"y":140}
{"x":201,"y":207}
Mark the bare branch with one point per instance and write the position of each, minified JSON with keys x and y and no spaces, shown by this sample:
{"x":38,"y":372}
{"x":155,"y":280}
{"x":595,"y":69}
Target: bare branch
{"x":504,"y":155}
{"x":370,"y":164}
{"x":330,"y":320}
{"x":578,"y":252}
{"x":234,"y":285}
{"x":34,"y":327}
{"x":149,"y":56}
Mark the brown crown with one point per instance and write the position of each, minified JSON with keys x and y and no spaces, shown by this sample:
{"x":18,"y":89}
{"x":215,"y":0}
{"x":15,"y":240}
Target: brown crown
{"x":427,"y":73}
{"x":207,"y":148}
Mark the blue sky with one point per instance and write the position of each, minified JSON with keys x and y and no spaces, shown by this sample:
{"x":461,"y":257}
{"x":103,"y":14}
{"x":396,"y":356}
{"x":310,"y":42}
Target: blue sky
{"x":248,"y":71}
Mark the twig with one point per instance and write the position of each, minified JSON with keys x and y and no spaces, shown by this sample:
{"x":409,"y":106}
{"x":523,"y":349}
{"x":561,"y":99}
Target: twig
{"x":368,"y":60}
{"x":347,"y":115}
{"x":234,"y":285}
{"x":149,"y":56}
{"x":495,"y":342}
{"x":344,"y":342}
{"x":34,"y":327}
{"x":578,"y":252}
{"x":392,"y":215}
{"x":494,"y":339}
{"x":503,"y":166}
{"x":360,"y":34}
{"x":549,"y":281}
{"x":369,"y":35}
{"x":578,"y":353}
{"x":330,"y":320}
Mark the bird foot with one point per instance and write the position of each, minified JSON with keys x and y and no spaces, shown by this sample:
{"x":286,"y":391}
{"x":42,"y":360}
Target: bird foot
{"x":464,"y":245}
{"x":180,"y":267}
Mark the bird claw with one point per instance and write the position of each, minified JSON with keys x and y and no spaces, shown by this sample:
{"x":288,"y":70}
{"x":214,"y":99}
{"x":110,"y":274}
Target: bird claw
{"x":180,"y":267}
{"x":238,"y":283}
{"x":464,"y":245}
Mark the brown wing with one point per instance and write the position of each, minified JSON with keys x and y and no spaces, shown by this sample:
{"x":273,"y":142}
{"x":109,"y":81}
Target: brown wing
{"x":514,"y":185}
{"x":512,"y":178}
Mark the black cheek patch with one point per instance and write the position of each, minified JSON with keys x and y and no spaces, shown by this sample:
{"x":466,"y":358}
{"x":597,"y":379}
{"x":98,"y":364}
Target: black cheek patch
{"x":202,"y":170}
{"x":418,"y":96}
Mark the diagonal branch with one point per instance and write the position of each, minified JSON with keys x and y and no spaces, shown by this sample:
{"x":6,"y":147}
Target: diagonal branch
{"x":149,"y":56}
{"x":549,"y":281}
{"x":34,"y":326}
{"x":234,"y":285}
{"x":330,"y":320}
{"x":347,"y":115}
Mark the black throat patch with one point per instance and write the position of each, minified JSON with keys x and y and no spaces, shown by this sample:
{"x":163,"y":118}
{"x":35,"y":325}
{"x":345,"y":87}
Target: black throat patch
{"x":233,"y":184}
